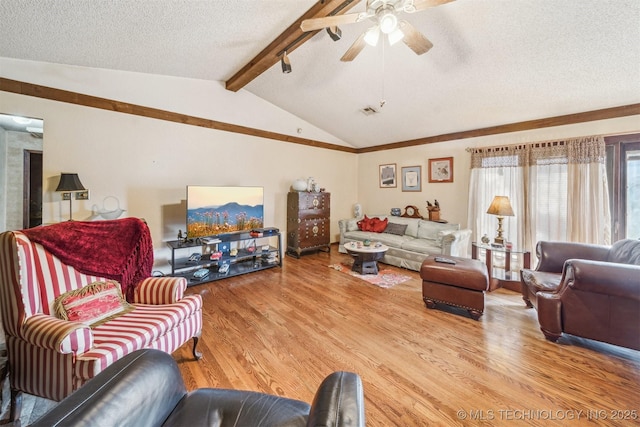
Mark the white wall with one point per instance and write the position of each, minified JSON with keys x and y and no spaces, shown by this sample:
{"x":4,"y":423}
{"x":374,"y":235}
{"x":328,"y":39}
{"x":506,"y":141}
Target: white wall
{"x":454,"y":197}
{"x":148,"y":163}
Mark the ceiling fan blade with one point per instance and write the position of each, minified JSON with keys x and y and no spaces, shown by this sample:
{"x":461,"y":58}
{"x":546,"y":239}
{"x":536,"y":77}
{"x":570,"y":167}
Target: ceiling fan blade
{"x":330,"y":21}
{"x":414,"y":39}
{"x":419,"y":5}
{"x":355,"y":49}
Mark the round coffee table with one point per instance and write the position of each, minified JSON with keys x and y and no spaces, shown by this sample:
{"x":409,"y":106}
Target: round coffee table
{"x":365,"y":257}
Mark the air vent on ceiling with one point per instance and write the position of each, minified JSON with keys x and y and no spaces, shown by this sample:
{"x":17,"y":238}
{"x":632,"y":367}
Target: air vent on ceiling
{"x":367,"y":111}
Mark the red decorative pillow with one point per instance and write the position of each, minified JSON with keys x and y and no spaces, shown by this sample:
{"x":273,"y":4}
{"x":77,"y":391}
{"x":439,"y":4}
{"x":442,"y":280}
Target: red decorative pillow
{"x":93,"y":304}
{"x":378,"y":225}
{"x":365,"y":224}
{"x":372,"y":224}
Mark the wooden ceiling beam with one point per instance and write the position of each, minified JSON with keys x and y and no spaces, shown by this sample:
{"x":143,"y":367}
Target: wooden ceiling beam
{"x":292,"y":38}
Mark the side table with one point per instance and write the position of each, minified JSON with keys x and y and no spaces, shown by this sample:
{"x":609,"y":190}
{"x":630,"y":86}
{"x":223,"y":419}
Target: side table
{"x":503,"y":275}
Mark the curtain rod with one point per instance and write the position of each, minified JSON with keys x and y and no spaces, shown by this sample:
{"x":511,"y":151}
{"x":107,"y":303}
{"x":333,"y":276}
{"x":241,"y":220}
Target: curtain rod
{"x":471,"y":149}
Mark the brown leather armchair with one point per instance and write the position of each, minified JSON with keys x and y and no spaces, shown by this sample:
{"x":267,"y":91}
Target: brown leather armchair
{"x":590,"y":291}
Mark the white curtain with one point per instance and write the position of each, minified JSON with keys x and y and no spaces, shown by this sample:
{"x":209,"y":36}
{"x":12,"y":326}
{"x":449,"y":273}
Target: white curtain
{"x":558,"y":191}
{"x":497,"y":171}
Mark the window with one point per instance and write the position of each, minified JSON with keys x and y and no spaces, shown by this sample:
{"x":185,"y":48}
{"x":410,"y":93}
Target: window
{"x":623,"y":173}
{"x":558,"y":191}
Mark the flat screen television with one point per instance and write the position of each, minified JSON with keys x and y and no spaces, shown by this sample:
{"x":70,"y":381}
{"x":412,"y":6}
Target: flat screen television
{"x":213,"y":210}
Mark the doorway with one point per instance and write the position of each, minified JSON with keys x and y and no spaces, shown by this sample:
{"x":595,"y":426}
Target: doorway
{"x":21,"y":172}
{"x":32,"y":192}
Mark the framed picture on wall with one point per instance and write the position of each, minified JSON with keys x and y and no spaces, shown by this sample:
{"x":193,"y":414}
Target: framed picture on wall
{"x":441,"y":170}
{"x":388,"y":176}
{"x":412,"y":178}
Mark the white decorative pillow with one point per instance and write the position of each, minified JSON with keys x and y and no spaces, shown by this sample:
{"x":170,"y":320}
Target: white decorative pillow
{"x":441,"y":237}
{"x":352,"y":224}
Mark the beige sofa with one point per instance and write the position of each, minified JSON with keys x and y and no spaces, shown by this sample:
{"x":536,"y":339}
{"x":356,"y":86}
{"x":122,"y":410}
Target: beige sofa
{"x":419,"y":239}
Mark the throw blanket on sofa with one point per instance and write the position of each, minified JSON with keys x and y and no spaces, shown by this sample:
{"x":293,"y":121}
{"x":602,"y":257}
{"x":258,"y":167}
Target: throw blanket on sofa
{"x":118,"y":249}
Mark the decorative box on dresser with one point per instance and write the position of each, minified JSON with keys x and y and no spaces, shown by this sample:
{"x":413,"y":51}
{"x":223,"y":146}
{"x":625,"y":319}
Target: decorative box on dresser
{"x":308,"y":222}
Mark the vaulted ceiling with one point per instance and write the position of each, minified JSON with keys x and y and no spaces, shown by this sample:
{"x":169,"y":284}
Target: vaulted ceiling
{"x":494,"y":62}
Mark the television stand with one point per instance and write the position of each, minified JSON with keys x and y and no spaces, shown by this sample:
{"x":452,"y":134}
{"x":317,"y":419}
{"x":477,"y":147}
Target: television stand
{"x":225,"y":255}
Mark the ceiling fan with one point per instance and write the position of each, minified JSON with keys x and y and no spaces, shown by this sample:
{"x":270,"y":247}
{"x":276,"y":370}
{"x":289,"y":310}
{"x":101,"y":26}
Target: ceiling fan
{"x":384,"y":13}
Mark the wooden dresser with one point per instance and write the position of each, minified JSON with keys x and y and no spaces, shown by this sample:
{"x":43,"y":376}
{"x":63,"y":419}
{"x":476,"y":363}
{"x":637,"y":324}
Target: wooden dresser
{"x":308,"y":222}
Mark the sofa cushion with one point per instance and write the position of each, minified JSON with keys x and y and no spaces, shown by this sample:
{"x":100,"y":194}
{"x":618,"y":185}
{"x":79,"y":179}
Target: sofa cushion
{"x":397,"y":229}
{"x":93,"y":304}
{"x":422,"y":246}
{"x":412,"y":224}
{"x":384,"y":238}
{"x":146,"y":326}
{"x":429,"y":229}
{"x":625,"y":252}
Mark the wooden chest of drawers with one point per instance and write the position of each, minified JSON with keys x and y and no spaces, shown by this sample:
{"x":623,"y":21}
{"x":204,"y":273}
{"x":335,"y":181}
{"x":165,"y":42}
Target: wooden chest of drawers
{"x":308,"y":222}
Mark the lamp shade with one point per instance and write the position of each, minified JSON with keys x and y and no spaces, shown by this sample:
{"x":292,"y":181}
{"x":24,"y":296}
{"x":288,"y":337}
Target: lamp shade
{"x":70,"y":182}
{"x":500,"y":206}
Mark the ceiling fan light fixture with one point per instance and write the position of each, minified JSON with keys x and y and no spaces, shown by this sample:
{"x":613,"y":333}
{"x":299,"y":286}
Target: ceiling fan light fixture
{"x":388,"y":22}
{"x":395,"y":36}
{"x":372,"y":35}
{"x":286,"y":64}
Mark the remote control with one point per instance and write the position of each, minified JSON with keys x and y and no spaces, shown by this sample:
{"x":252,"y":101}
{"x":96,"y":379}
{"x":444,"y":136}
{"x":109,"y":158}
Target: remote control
{"x":445,"y":260}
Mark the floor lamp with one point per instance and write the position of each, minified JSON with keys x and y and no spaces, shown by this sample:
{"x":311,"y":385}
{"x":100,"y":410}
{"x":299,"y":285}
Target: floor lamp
{"x":69,"y":182}
{"x":501,"y":207}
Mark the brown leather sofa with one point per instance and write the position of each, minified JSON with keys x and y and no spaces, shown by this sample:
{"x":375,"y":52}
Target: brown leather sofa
{"x":145,"y":388}
{"x":590,"y":291}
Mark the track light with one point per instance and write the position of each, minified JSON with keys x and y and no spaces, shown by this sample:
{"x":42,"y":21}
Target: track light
{"x":335,"y":33}
{"x":286,"y":64}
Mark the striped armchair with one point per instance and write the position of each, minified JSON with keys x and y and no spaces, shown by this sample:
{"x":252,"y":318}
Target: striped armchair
{"x":50,"y":357}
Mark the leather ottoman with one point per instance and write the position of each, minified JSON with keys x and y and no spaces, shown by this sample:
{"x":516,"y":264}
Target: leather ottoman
{"x":460,"y":283}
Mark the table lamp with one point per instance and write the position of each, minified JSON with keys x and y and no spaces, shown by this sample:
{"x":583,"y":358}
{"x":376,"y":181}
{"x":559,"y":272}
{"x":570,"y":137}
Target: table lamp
{"x":501,"y":207}
{"x":70,"y":182}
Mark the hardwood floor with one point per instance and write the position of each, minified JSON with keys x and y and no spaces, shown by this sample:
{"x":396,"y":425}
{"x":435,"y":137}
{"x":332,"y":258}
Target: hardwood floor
{"x":281,"y":331}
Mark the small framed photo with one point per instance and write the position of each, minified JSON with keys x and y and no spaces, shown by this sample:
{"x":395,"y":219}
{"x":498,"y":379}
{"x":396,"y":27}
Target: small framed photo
{"x":388,"y":176}
{"x":441,"y":170}
{"x":412,"y":178}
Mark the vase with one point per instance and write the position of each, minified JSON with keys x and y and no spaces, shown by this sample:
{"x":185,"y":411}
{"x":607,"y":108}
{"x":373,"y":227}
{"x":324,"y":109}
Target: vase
{"x":299,"y":185}
{"x":310,"y":183}
{"x":357,"y":210}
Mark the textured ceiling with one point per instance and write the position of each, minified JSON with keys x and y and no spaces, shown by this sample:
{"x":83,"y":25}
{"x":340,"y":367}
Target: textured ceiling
{"x":494,"y":61}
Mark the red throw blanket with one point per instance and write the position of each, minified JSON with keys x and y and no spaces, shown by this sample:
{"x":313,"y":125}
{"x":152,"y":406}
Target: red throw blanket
{"x":119,"y":249}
